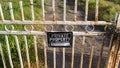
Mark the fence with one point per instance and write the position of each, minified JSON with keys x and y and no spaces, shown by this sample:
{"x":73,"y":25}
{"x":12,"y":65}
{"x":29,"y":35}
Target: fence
{"x":113,"y":59}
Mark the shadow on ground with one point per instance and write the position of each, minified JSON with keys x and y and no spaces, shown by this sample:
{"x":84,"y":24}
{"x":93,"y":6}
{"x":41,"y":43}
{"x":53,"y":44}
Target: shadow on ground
{"x":76,"y":62}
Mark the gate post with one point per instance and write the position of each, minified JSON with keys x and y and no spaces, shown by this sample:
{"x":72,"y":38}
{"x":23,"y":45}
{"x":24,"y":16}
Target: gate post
{"x":114,"y":52}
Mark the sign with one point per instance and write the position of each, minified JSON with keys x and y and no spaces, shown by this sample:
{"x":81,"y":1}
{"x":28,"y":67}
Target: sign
{"x":59,"y":39}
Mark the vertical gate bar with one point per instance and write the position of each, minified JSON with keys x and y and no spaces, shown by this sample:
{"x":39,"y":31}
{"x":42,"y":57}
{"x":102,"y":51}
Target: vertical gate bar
{"x":27,"y":50}
{"x":91,"y":53}
{"x":118,"y":20}
{"x":44,"y":40}
{"x":11,"y":11}
{"x":64,"y":19}
{"x":54,"y":57}
{"x":19,"y":51}
{"x":116,"y":51}
{"x":113,"y":52}
{"x":25,"y":38}
{"x":2,"y":54}
{"x":101,"y":52}
{"x":72,"y":63}
{"x":53,"y":6}
{"x":63,"y":66}
{"x":21,"y":10}
{"x":82,"y":52}
{"x":96,"y":10}
{"x":16,"y":39}
{"x":1,"y":13}
{"x":1,"y":51}
{"x":86,"y":10}
{"x":54,"y":18}
{"x":36,"y":52}
{"x":45,"y":52}
{"x":111,"y":41}
{"x":118,"y":60}
{"x":32,"y":10}
{"x":35,"y":40}
{"x":75,"y":10}
{"x":91,"y":56}
{"x":64,"y":14}
{"x":9,"y":52}
{"x":43,"y":10}
{"x":110,"y":57}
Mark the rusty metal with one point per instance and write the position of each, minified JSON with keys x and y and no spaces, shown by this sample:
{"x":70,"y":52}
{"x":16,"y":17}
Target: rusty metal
{"x":101,"y":52}
{"x":54,"y":15}
{"x":96,"y":10}
{"x":118,"y":20}
{"x":117,"y":59}
{"x":86,"y":9}
{"x":57,"y":22}
{"x":91,"y":53}
{"x":114,"y":53}
{"x":72,"y":62}
{"x":36,"y":51}
{"x":45,"y":51}
{"x":82,"y":52}
{"x":91,"y":56}
{"x":75,"y":10}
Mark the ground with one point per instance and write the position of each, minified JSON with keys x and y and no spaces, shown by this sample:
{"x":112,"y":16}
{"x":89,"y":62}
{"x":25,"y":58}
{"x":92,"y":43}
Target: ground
{"x":78,"y":42}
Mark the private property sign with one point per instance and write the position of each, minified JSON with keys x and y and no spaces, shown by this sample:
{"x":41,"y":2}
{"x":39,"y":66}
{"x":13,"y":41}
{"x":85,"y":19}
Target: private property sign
{"x":59,"y":39}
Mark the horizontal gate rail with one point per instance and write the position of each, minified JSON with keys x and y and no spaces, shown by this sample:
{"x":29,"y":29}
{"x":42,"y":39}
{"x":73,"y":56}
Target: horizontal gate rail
{"x":52,"y":22}
{"x":57,"y":22}
{"x":44,"y":33}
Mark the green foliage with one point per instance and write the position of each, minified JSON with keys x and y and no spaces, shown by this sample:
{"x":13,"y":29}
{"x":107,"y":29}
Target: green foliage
{"x":61,"y":6}
{"x":115,"y":1}
{"x":26,"y":7}
{"x":107,"y":9}
{"x":92,"y":3}
{"x":17,"y":16}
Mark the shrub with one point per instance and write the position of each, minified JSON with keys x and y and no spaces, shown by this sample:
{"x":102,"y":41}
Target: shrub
{"x":107,"y":9}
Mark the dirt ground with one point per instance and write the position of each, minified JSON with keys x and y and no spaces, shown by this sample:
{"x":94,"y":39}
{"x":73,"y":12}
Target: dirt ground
{"x":78,"y":42}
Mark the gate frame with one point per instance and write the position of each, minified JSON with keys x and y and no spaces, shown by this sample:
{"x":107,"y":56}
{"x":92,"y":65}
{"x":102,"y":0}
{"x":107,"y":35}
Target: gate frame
{"x":113,"y":59}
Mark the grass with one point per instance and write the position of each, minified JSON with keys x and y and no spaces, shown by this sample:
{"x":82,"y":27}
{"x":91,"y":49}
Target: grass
{"x":17,"y":16}
{"x":16,"y":9}
{"x":107,"y":9}
{"x":110,"y":10}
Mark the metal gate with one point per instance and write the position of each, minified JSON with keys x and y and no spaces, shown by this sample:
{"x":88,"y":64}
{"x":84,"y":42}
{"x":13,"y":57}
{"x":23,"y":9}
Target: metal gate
{"x":89,"y":48}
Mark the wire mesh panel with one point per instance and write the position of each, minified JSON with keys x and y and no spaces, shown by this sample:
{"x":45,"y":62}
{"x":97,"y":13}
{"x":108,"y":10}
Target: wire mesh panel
{"x":24,"y":43}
